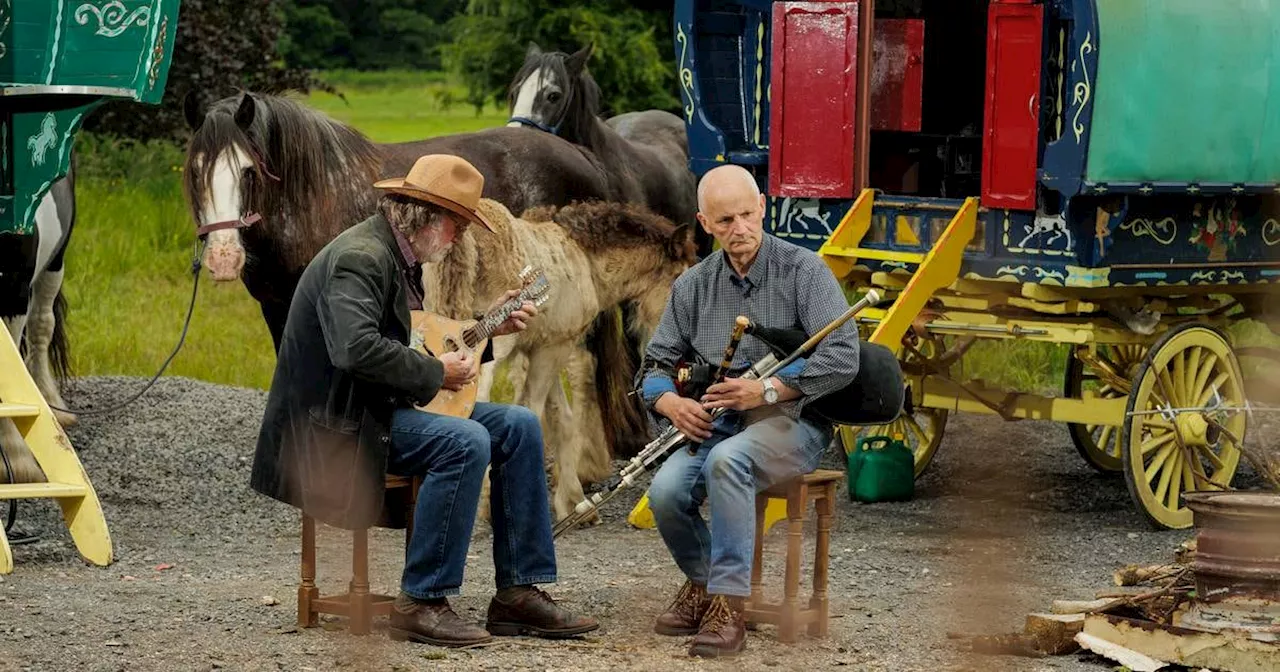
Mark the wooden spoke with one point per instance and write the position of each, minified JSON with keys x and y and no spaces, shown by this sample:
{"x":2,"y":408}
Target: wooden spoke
{"x":1099,"y":445}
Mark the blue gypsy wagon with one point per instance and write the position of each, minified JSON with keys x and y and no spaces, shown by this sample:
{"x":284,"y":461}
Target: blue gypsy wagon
{"x":1097,"y":173}
{"x":59,"y":61}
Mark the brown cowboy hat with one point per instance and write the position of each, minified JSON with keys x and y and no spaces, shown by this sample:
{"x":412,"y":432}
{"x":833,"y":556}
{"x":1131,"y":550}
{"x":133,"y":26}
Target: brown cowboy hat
{"x":444,"y":180}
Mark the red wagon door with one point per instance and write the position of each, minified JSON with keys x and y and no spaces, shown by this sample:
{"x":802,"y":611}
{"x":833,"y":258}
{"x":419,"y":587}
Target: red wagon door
{"x":813,"y":99}
{"x":1010,"y":141}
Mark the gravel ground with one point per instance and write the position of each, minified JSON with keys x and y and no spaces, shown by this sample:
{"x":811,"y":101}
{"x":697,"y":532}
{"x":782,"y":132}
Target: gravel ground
{"x":1007,"y":519}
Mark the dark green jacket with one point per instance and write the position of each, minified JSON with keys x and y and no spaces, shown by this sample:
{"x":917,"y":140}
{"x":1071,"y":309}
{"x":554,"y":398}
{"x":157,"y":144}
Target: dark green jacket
{"x":344,"y":365}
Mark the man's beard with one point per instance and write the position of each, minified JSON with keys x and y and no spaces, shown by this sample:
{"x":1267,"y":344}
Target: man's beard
{"x":438,"y":249}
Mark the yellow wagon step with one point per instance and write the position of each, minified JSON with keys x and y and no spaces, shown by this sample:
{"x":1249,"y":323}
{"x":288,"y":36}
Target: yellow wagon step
{"x":42,"y":491}
{"x":22,"y":404}
{"x":19,"y":411}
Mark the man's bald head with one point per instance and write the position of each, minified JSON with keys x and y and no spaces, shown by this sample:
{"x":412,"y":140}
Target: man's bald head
{"x":727,"y":175}
{"x":731,"y":209}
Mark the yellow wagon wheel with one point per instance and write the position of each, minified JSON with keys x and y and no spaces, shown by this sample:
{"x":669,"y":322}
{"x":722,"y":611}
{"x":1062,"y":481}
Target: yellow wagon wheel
{"x":1099,"y":445}
{"x":1190,"y":377}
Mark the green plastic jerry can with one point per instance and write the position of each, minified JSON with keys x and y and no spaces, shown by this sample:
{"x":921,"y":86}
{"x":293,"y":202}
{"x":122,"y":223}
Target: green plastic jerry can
{"x":881,"y":469}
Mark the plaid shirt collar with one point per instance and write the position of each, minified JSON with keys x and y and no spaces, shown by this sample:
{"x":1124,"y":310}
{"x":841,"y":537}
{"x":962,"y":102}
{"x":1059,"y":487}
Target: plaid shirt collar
{"x":411,"y":270}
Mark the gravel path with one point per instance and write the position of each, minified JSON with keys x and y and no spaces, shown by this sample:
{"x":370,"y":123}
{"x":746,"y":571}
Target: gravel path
{"x":1007,"y":519}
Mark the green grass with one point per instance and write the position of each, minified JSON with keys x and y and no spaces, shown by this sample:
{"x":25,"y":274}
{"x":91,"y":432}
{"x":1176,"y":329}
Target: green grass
{"x":128,"y":282}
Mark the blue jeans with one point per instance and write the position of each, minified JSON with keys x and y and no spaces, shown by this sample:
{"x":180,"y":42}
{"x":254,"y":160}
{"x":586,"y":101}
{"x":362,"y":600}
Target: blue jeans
{"x":728,"y":469}
{"x":450,"y":454}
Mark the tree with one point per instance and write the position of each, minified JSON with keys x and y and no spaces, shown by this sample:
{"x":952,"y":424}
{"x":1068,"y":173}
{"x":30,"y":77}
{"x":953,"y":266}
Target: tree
{"x":633,"y":61}
{"x":213,"y":61}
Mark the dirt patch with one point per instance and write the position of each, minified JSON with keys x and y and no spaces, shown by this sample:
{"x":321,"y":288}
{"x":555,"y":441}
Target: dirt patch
{"x":1007,"y":519}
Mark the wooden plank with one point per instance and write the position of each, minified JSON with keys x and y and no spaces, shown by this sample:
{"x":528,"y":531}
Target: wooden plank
{"x":19,"y":411}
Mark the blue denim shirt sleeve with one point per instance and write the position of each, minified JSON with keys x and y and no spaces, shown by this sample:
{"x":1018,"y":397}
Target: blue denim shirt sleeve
{"x":655,"y":384}
{"x":790,"y":374}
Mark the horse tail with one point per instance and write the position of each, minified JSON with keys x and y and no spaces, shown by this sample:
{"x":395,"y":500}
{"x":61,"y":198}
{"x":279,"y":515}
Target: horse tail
{"x":624,"y":423}
{"x":59,"y":345}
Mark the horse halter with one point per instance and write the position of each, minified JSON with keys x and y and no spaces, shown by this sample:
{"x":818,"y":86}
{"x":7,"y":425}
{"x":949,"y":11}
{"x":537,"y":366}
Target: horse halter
{"x":244,"y":222}
{"x":553,"y":130}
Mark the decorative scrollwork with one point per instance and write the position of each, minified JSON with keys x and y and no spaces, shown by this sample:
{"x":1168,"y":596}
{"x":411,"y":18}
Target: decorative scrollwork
{"x":1042,"y":274}
{"x":157,"y":53}
{"x":113,"y":18}
{"x":1017,"y":271}
{"x":1201,"y":276}
{"x":6,"y":14}
{"x":686,"y":74}
{"x":1163,"y":231}
{"x":1082,"y":90}
{"x":1271,"y":232}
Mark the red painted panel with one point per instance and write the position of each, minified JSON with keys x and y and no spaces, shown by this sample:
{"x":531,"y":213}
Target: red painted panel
{"x":1010,"y":142}
{"x":897,"y":75}
{"x":813,"y":99}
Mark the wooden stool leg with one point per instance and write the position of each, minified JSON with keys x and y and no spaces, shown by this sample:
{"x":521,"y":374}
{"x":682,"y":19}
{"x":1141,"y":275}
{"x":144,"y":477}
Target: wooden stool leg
{"x":360,"y":619}
{"x":307,"y":590}
{"x":826,"y":511}
{"x":797,"y":499}
{"x":757,"y":558}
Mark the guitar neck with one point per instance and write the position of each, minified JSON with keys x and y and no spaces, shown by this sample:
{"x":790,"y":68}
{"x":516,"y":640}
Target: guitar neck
{"x":482,"y":329}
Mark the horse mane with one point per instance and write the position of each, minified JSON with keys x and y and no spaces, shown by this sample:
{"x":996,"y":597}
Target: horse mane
{"x":313,"y":156}
{"x":579,"y":124}
{"x":600,"y":225}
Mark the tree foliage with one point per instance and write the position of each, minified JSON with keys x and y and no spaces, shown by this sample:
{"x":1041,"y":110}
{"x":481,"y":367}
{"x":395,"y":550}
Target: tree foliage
{"x":633,"y":61}
{"x":367,"y":34}
{"x":213,"y":60}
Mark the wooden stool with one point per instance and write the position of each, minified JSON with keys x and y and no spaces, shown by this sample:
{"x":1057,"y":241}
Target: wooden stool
{"x":357,"y":604}
{"x":819,"y":486}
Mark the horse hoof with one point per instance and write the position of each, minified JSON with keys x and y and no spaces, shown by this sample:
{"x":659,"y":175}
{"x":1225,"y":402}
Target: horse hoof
{"x":66,"y":419}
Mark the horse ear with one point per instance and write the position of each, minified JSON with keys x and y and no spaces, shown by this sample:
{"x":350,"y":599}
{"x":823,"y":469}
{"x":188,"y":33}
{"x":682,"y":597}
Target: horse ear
{"x":577,"y":62}
{"x":679,"y":240}
{"x":244,"y":113}
{"x":192,"y":110}
{"x":534,"y":49}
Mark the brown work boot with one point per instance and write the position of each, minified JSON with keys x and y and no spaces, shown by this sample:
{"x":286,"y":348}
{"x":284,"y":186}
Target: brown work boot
{"x":526,"y":610}
{"x":432,"y":622}
{"x":685,"y":613}
{"x":723,"y":631}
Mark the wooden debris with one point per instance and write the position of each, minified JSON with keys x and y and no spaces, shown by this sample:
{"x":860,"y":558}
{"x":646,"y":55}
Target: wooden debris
{"x":1130,"y":659}
{"x":1133,"y":575}
{"x":1082,"y":607}
{"x":1054,"y":634}
{"x":1196,"y":649}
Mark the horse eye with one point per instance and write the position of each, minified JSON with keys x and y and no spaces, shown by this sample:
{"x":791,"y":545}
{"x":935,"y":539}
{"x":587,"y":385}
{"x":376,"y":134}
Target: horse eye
{"x":553,"y":97}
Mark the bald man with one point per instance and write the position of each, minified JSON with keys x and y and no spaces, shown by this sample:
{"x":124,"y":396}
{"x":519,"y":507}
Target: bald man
{"x":765,"y":438}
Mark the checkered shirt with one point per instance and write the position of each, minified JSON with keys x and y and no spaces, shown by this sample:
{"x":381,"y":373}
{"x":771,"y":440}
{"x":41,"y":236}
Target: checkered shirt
{"x":787,"y":286}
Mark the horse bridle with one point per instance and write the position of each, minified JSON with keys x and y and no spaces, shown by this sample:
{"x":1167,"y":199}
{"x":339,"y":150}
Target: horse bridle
{"x":243,"y":222}
{"x":553,"y":130}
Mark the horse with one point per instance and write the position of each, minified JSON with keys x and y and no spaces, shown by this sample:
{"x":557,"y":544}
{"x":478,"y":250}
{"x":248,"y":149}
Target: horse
{"x":270,"y":181}
{"x":554,"y":92}
{"x":595,"y":255}
{"x":33,"y":308}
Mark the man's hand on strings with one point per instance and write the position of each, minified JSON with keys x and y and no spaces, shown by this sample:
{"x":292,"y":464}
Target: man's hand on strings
{"x":519,"y":320}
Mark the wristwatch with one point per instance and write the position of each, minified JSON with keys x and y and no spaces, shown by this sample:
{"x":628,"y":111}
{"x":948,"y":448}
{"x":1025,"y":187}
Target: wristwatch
{"x":770,"y":392}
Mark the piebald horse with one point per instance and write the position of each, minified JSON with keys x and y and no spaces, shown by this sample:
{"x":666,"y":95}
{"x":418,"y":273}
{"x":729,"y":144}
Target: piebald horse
{"x":553,"y":92}
{"x":33,"y":307}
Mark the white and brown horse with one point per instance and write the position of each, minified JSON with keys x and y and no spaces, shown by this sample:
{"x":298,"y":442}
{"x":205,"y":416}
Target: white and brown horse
{"x":33,"y":307}
{"x":596,"y":255}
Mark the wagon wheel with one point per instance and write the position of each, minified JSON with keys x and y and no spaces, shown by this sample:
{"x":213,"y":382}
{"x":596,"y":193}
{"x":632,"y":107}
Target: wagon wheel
{"x":921,"y":430}
{"x":1099,"y":445}
{"x":1188,"y":373}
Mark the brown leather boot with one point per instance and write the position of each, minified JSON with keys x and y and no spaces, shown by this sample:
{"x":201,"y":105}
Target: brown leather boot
{"x":432,"y":622}
{"x":685,"y":613}
{"x":723,"y":631}
{"x":527,"y":610}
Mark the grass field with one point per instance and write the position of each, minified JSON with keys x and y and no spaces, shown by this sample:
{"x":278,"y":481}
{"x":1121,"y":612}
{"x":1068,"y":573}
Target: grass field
{"x":129,"y":282}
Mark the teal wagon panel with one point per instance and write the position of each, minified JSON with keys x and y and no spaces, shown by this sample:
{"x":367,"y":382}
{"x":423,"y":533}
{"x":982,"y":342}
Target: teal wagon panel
{"x":1187,"y":91}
